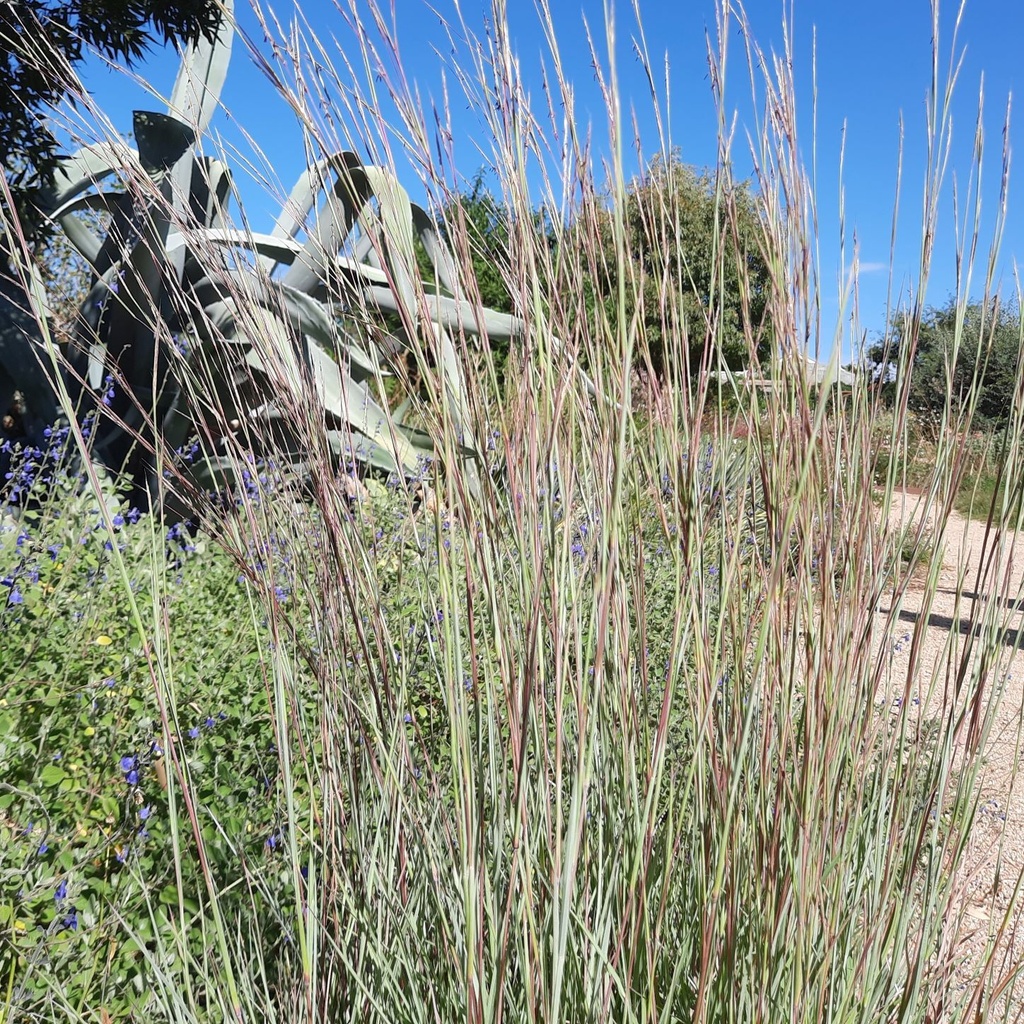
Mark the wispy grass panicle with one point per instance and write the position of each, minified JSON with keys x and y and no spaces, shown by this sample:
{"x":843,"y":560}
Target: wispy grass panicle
{"x":598,"y":714}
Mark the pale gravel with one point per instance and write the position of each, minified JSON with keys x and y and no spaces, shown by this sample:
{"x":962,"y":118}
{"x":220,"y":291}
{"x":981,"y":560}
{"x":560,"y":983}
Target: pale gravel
{"x":988,"y":890}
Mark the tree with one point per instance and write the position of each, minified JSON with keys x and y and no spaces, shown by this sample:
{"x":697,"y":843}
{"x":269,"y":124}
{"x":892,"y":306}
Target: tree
{"x":476,"y":227}
{"x":41,"y":42}
{"x":694,"y":264}
{"x":682,"y":233}
{"x":478,"y":217}
{"x":988,"y":355}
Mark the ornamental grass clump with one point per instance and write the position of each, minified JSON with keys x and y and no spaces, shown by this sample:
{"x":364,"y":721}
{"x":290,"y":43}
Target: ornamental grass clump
{"x":594,"y":718}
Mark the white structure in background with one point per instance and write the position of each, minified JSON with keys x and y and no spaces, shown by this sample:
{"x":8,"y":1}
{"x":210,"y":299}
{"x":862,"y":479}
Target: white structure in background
{"x":818,"y":374}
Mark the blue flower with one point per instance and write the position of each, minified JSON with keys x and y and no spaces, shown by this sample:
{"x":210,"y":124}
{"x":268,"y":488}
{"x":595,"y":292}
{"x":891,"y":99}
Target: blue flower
{"x":194,"y":732}
{"x":71,"y":919}
{"x":43,"y":849}
{"x":118,"y":521}
{"x":145,"y":812}
{"x":127,"y":763}
{"x":132,"y":778}
{"x":14,"y":597}
{"x":62,"y":891}
{"x":209,"y":723}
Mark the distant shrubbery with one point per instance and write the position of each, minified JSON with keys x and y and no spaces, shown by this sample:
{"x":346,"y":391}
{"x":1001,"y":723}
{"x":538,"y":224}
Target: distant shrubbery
{"x":691,"y":261}
{"x":960,"y":355}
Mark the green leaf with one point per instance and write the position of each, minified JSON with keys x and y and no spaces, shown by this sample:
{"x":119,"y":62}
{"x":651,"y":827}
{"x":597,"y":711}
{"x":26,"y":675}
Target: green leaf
{"x":52,"y":774}
{"x":169,"y":896}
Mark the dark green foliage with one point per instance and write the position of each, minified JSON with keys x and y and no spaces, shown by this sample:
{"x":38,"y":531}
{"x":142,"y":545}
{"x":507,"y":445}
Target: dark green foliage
{"x":679,"y":235}
{"x":41,"y":41}
{"x":475,"y":226}
{"x":942,"y":372}
{"x":479,"y":216}
{"x":694,"y":264}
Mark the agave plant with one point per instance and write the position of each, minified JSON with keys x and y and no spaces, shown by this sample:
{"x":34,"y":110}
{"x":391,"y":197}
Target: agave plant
{"x":178,"y":295}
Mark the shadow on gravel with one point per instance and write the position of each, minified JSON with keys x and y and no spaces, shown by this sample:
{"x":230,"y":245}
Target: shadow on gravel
{"x":1011,"y":637}
{"x":1011,"y":603}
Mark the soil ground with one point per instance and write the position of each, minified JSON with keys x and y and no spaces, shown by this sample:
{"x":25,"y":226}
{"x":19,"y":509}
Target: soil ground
{"x":980,"y":574}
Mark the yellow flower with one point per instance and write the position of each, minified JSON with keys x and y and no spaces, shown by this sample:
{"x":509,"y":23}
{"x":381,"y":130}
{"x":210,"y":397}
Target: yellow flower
{"x":103,"y":640}
{"x":19,"y":926}
{"x":90,"y":731}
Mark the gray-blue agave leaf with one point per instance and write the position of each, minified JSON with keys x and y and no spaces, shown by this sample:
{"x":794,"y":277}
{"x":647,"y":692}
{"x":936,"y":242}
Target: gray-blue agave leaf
{"x":201,"y":77}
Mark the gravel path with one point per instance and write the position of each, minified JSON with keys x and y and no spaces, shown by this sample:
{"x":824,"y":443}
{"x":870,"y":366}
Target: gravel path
{"x":990,"y":889}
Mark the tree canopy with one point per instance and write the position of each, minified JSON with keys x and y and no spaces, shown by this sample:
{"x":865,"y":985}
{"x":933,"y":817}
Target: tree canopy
{"x":485,"y":221}
{"x":988,"y":354}
{"x":683,"y":235}
{"x":694,"y":264}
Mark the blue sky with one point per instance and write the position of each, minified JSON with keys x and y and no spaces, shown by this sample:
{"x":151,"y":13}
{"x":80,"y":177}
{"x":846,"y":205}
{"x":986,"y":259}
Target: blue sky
{"x":873,"y":65}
